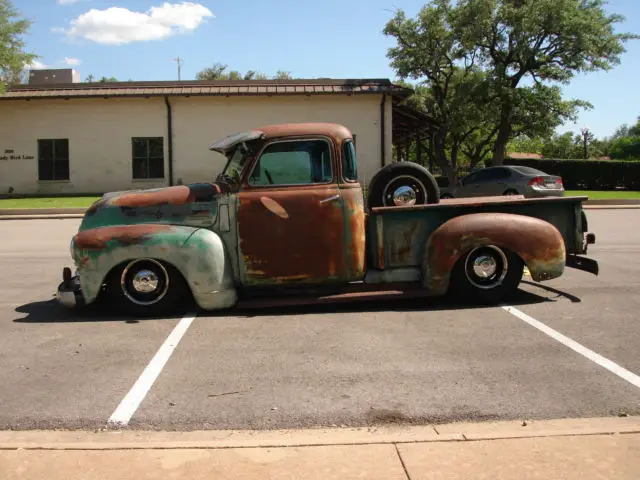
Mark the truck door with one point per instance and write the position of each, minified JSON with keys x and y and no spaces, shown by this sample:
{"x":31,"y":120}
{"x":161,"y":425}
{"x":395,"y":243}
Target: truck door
{"x":290,"y":216}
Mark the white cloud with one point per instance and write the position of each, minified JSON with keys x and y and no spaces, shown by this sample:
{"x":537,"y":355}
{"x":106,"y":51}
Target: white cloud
{"x":71,"y":61}
{"x":36,"y":64}
{"x":118,"y":26}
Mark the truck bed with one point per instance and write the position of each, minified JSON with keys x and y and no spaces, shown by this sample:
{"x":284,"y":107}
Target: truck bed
{"x":398,"y":235}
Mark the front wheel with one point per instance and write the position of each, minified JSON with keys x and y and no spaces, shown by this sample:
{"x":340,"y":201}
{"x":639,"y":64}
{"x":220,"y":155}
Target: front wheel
{"x":487,"y":274}
{"x":146,"y":286}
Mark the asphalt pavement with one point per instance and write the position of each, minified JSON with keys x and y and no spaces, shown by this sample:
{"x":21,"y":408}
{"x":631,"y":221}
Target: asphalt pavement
{"x":568,"y":350}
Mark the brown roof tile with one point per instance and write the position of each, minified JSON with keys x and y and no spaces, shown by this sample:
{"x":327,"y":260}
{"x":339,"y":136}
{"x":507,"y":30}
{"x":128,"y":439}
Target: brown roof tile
{"x":205,"y":88}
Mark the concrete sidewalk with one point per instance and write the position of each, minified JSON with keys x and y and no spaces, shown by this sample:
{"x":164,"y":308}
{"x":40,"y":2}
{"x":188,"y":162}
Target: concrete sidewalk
{"x":582,"y":449}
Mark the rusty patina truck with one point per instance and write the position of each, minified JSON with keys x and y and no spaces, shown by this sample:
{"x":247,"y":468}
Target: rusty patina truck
{"x":286,"y":221}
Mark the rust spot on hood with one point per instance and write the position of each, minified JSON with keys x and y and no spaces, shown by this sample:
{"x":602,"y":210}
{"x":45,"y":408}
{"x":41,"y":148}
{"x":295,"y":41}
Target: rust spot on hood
{"x":97,"y":238}
{"x":178,"y":195}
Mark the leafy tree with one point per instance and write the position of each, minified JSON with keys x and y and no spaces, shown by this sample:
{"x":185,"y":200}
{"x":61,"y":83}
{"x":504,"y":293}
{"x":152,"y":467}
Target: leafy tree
{"x":13,"y":58}
{"x":219,"y":72}
{"x":487,"y":65}
{"x":282,"y":75}
{"x":540,"y":40}
{"x":107,"y":79}
{"x":625,"y":142}
{"x":90,"y":78}
{"x":448,"y":79}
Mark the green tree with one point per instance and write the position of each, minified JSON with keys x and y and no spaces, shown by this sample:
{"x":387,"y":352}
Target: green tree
{"x":448,"y":79}
{"x":540,"y":40}
{"x":13,"y":58}
{"x":218,"y":71}
{"x":625,"y":142}
{"x":107,"y":79}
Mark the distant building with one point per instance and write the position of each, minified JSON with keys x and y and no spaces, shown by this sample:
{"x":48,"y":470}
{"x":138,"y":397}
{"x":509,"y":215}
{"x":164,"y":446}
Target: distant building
{"x":53,"y":76}
{"x":58,"y":135}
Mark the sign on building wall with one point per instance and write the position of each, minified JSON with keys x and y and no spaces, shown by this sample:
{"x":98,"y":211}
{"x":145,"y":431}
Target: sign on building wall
{"x":9,"y":154}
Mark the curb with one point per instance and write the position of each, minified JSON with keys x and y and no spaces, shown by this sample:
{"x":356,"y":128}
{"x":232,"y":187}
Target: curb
{"x":223,"y":439}
{"x":40,"y":217}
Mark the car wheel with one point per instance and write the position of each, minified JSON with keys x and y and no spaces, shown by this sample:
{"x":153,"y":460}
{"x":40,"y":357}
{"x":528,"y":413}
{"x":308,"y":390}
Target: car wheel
{"x":487,"y":274}
{"x":145,"y":286}
{"x":403,"y":184}
{"x":510,"y":192}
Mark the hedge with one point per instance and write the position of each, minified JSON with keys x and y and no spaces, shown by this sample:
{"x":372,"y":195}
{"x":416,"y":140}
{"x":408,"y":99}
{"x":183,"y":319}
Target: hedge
{"x":588,"y":174}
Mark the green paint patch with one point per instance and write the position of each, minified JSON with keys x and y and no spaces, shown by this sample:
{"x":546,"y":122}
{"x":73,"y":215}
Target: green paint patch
{"x":604,"y":195}
{"x":48,"y":202}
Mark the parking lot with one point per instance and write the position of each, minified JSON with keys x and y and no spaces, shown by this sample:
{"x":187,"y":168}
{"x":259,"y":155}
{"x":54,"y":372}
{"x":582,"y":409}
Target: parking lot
{"x":569,"y":349}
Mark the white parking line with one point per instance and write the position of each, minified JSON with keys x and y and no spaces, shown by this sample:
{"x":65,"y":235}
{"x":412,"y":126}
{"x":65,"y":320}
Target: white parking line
{"x":132,"y":400}
{"x":623,"y":373}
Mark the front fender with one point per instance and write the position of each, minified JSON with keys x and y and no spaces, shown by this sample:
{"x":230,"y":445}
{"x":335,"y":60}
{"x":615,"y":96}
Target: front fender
{"x":537,"y":242}
{"x":198,"y":254}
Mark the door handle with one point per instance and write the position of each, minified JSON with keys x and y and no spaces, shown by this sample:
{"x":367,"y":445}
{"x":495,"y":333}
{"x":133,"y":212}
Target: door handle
{"x":330,"y":199}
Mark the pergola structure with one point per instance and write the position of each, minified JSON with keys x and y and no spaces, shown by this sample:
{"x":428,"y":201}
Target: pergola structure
{"x":408,"y":126}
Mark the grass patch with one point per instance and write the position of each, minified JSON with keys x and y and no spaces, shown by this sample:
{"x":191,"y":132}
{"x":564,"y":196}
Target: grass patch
{"x":604,"y":195}
{"x":48,"y":202}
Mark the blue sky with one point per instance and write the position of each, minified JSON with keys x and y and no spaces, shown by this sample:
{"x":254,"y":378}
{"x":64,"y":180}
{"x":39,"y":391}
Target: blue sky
{"x":334,"y":38}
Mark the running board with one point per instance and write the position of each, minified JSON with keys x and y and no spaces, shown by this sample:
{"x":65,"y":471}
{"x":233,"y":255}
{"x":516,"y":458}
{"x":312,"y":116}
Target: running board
{"x":347,"y":297}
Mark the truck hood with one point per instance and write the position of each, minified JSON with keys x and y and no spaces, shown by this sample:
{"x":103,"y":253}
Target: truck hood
{"x":194,"y":205}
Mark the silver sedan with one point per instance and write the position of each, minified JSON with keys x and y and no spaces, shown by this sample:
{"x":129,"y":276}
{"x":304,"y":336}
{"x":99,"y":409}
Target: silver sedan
{"x":506,"y":180}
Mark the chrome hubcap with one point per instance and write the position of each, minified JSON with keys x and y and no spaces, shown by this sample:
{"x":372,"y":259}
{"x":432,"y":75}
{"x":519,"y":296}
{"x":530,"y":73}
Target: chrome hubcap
{"x":404,"y":195}
{"x":145,"y":281}
{"x":484,"y":266}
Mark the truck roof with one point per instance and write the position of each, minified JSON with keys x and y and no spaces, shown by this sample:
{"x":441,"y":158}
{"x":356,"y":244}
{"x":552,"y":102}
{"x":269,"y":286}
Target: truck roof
{"x":334,"y":130}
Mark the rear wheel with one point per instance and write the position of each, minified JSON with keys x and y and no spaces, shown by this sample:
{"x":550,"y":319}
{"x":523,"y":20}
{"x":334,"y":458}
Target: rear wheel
{"x":403,"y":184}
{"x":145,"y":286}
{"x":487,"y":274}
{"x":510,"y":192}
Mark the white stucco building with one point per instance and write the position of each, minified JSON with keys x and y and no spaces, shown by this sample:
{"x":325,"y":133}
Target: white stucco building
{"x":89,"y":138}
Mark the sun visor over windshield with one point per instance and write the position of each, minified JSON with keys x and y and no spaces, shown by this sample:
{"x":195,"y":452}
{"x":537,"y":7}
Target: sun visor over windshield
{"x":227,"y":143}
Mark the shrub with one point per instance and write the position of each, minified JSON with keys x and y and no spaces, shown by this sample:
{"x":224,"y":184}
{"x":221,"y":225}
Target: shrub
{"x":588,"y":174}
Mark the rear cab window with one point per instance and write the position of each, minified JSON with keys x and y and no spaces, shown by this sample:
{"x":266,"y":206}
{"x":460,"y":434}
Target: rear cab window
{"x":349,"y":168}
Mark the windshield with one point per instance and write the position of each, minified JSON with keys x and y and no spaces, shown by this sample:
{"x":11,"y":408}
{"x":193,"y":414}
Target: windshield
{"x":235,"y":164}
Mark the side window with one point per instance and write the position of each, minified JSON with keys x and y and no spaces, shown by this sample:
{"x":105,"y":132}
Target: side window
{"x":147,"y":157}
{"x":470,"y":179}
{"x":297,"y":162}
{"x":502,"y":173}
{"x":53,"y":159}
{"x":349,"y":167}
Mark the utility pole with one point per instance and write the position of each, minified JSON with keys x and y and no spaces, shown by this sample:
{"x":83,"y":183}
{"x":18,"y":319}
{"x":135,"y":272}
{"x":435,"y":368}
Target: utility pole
{"x":179,"y":61}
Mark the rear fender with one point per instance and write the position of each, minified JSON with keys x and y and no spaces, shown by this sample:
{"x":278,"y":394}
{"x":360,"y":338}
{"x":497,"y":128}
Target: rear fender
{"x":537,"y":242}
{"x":198,"y":254}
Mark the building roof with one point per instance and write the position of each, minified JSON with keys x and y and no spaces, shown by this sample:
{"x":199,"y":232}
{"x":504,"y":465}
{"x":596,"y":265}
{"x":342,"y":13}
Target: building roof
{"x":321,"y":86}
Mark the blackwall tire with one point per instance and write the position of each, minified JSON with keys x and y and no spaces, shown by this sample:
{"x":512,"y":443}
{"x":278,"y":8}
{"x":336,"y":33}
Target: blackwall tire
{"x":402,"y":184}
{"x":146,"y":287}
{"x":487,"y":274}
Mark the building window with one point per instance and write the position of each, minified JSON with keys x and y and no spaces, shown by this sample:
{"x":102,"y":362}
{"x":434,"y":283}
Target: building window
{"x":53,"y":159}
{"x":148,"y":157}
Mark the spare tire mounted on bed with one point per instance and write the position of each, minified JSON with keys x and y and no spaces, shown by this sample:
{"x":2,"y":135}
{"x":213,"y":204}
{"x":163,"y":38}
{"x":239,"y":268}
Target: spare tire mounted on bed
{"x":402,"y":184}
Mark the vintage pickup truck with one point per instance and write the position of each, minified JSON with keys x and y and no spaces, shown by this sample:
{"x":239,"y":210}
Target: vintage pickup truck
{"x":286,"y":221}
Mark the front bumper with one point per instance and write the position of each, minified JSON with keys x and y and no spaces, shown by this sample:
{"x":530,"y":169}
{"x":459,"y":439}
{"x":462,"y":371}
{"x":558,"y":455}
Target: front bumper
{"x":69,"y":292}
